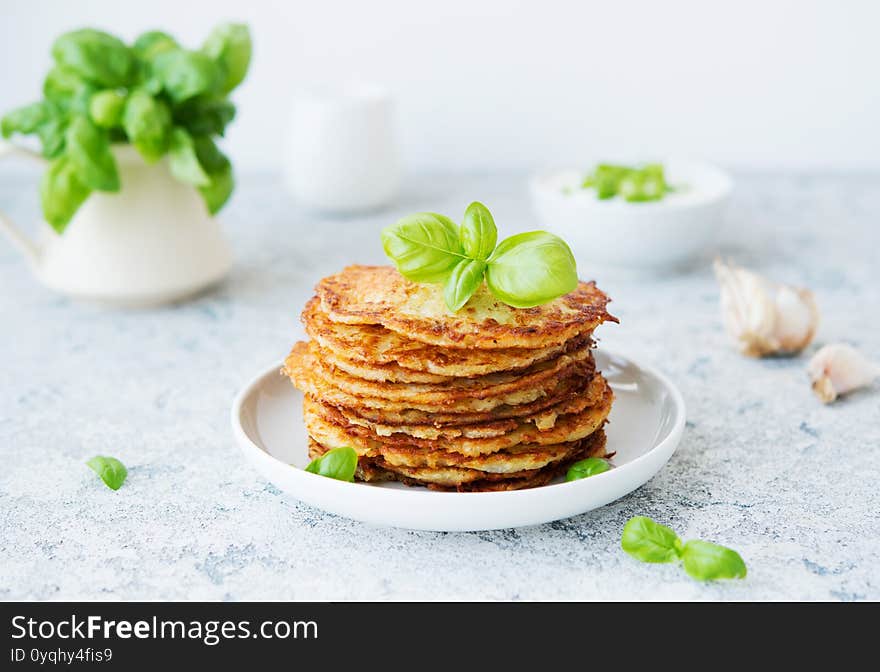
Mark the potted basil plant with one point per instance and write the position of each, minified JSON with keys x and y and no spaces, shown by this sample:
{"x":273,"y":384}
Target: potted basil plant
{"x":134,"y":176}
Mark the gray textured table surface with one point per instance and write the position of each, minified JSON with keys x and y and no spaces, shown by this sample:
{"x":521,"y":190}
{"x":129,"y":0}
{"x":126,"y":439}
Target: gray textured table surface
{"x":763,"y":467}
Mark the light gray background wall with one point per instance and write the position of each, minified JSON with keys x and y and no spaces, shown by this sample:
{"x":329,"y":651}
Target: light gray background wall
{"x":512,"y":85}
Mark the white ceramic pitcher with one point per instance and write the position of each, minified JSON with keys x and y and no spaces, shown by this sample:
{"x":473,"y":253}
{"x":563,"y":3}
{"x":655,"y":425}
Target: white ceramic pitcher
{"x":341,"y":151}
{"x":152,"y":242}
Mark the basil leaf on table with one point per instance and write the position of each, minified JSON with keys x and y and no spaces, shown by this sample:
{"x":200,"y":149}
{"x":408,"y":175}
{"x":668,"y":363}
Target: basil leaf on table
{"x":183,"y":160}
{"x":464,"y":280}
{"x":152,"y":43}
{"x":111,"y":470}
{"x":478,"y":232}
{"x":95,"y":56}
{"x":338,"y":463}
{"x":147,"y":122}
{"x":705,"y":561}
{"x":105,"y":108}
{"x":648,"y":541}
{"x":186,"y":74}
{"x":61,"y":193}
{"x":229,"y":45}
{"x":530,"y":269}
{"x":424,"y":246}
{"x":586,"y":468}
{"x":89,"y":153}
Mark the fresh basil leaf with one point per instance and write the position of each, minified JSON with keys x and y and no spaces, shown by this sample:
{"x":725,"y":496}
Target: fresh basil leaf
{"x":530,"y":269}
{"x":89,"y":152}
{"x":210,"y":156}
{"x":147,"y":122}
{"x":705,"y":561}
{"x":219,"y":169}
{"x":217,"y":193}
{"x":201,"y":116}
{"x":464,"y":280}
{"x":183,"y":160}
{"x":229,"y":45}
{"x":25,"y":120}
{"x":105,"y":108}
{"x":424,"y":246}
{"x":586,"y":468}
{"x":45,"y":118}
{"x":338,"y":463}
{"x":186,"y":74}
{"x":61,"y":193}
{"x":111,"y":470}
{"x":95,"y":56}
{"x":478,"y":231}
{"x":152,"y":43}
{"x":648,"y":541}
{"x":52,"y":134}
{"x":61,"y":84}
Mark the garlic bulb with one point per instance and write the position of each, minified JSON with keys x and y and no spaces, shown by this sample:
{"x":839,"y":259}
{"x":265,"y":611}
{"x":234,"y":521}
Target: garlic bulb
{"x":839,"y":368}
{"x":764,"y":317}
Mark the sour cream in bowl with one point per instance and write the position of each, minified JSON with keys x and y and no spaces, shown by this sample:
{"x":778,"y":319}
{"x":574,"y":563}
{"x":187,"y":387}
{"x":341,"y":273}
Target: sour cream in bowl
{"x":655,"y":235}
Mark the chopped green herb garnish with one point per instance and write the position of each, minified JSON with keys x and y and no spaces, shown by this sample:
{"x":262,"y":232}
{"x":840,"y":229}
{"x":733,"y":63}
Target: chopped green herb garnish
{"x":633,"y":184}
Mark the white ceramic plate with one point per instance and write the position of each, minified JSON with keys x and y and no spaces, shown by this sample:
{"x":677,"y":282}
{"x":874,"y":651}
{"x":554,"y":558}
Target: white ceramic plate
{"x":645,"y":426}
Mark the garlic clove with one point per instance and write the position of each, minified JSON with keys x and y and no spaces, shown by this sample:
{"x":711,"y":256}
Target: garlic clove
{"x":839,"y":368}
{"x":797,"y":318}
{"x":763,"y":317}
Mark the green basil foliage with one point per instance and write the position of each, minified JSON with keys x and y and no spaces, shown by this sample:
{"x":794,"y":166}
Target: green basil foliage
{"x":111,"y":470}
{"x":161,"y":98}
{"x":525,"y":270}
{"x":648,"y":541}
{"x":338,"y":463}
{"x":586,"y":468}
{"x":706,"y":561}
{"x":634,"y":184}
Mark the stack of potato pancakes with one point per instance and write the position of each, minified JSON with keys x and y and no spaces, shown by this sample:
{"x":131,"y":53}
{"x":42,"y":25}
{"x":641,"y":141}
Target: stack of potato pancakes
{"x":488,"y":398}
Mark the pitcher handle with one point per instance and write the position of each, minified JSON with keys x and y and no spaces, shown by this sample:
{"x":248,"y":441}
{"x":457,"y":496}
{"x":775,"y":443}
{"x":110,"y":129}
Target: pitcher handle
{"x":27,"y":247}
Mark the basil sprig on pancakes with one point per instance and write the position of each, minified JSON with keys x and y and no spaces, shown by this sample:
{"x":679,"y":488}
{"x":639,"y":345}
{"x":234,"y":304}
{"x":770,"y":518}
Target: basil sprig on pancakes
{"x":525,"y":270}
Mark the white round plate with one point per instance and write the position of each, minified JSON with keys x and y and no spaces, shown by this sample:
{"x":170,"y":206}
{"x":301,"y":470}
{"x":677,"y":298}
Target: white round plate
{"x":646,"y":423}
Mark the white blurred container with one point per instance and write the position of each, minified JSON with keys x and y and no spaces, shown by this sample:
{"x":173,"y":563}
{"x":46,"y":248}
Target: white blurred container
{"x":653,"y":237}
{"x":342,"y":154}
{"x":151,"y":243}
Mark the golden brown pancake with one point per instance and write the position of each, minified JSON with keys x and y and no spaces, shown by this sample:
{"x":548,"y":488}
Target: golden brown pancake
{"x":380,"y":295}
{"x":376,"y":346}
{"x":336,"y":387}
{"x":328,"y":426}
{"x":380,"y":373}
{"x":567,"y":397}
{"x":489,"y":398}
{"x":473,"y":480}
{"x":486,"y":426}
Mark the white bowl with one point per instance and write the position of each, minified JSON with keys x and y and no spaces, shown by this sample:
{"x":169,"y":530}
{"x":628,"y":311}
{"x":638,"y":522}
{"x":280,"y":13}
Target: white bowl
{"x":653,"y":236}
